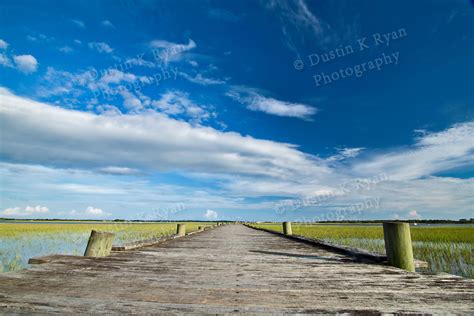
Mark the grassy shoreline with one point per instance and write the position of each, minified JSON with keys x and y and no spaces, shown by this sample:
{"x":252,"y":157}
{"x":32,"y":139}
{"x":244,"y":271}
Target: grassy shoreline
{"x":21,"y":241}
{"x":446,"y":249}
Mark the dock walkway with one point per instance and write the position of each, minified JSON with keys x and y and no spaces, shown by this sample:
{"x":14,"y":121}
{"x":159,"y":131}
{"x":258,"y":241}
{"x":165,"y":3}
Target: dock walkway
{"x":229,"y":269}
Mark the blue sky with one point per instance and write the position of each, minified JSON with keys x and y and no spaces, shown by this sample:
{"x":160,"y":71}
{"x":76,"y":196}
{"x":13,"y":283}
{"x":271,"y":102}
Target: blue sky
{"x":252,"y":110}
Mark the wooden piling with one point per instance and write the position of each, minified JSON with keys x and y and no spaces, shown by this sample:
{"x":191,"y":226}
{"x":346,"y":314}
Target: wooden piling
{"x":181,"y":230}
{"x":99,"y":244}
{"x":287,"y":228}
{"x":398,"y":245}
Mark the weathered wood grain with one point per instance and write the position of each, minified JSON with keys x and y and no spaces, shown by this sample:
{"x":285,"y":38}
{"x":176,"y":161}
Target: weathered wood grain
{"x":230,"y":269}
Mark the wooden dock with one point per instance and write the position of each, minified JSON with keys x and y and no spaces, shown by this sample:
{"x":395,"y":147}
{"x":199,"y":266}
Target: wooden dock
{"x":229,"y":269}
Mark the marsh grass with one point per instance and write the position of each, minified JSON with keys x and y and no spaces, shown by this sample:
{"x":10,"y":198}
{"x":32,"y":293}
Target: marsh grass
{"x":445,"y":248}
{"x":19,"y":242}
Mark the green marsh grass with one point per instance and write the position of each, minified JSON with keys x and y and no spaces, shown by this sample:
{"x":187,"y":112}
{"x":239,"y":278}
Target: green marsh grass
{"x":445,"y":248}
{"x":21,"y":241}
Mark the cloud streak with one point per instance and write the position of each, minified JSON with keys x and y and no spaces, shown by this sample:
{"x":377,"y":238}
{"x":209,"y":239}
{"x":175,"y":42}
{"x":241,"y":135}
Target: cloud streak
{"x":255,"y":101}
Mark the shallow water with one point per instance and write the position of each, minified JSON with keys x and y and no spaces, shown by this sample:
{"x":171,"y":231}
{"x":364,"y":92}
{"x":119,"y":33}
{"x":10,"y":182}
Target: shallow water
{"x":15,"y":252}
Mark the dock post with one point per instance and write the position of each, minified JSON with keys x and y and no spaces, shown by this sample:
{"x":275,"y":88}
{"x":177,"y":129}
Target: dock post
{"x":99,"y":244}
{"x":398,"y":245}
{"x":287,"y":228}
{"x":181,"y":230}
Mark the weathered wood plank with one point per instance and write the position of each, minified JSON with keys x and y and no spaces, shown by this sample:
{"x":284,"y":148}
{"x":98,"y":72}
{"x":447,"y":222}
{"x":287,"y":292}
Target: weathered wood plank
{"x":229,"y":269}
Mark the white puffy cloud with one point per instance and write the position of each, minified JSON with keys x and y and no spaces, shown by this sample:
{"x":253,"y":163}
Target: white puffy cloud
{"x":210,"y":214}
{"x":27,"y":211}
{"x":3,"y":44}
{"x":26,"y":63}
{"x":241,"y":167}
{"x":88,"y":212}
{"x":95,"y":211}
{"x":101,"y":47}
{"x":174,"y":102}
{"x":159,"y":143}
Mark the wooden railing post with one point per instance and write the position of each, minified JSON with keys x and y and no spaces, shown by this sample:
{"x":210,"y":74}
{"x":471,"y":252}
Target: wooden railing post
{"x":398,"y":245}
{"x":287,"y":228}
{"x":181,"y":230}
{"x":99,"y":244}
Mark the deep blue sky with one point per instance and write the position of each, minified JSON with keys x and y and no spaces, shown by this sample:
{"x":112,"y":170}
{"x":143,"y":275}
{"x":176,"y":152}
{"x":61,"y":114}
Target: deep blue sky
{"x":237,"y":131}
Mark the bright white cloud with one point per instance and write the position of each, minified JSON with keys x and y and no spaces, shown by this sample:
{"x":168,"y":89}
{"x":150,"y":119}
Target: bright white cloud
{"x":27,"y":211}
{"x":95,"y":211}
{"x":241,"y":166}
{"x":88,"y":212}
{"x":159,"y":142}
{"x":257,"y":102}
{"x":210,"y":214}
{"x":3,"y":44}
{"x":26,"y":63}
{"x":101,"y":47}
{"x":432,"y":153}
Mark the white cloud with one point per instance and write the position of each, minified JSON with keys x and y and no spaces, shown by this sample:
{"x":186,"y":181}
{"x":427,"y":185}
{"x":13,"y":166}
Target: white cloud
{"x":117,"y":76}
{"x":85,"y":189}
{"x":130,"y":101}
{"x":242,"y":167}
{"x":3,"y":44}
{"x":5,"y":61}
{"x":169,"y":51}
{"x":66,"y":49}
{"x":107,"y":23}
{"x":27,"y":211}
{"x":26,"y":63}
{"x":210,"y":214}
{"x":95,"y":211}
{"x":140,"y":62}
{"x":200,"y":79}
{"x":159,"y":142}
{"x":414,"y":213}
{"x":78,"y":23}
{"x":345,"y":153}
{"x":101,"y":47}
{"x":296,"y":18}
{"x":176,"y":102}
{"x":257,"y":102}
{"x":90,"y":211}
{"x":119,"y":170}
{"x":432,"y":153}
